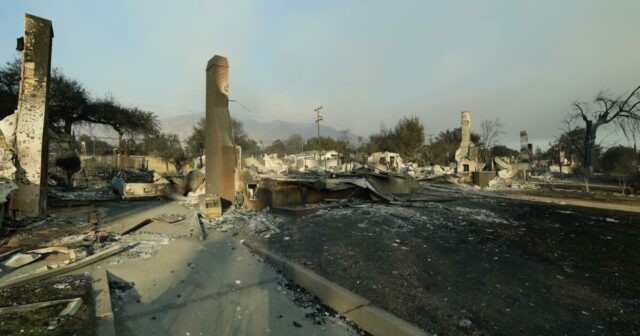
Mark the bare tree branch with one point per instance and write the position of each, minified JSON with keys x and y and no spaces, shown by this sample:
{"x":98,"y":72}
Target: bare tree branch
{"x":630,"y":112}
{"x":580,"y":111}
{"x":491,"y":130}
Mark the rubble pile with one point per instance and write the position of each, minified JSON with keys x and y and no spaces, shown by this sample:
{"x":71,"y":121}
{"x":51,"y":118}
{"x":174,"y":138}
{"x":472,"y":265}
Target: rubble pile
{"x":141,"y":245}
{"x":430,"y":172}
{"x":257,"y":222}
{"x":499,"y":183}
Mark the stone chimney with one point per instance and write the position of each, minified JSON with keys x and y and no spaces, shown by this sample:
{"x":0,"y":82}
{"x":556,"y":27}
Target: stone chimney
{"x":32,"y":149}
{"x":524,"y":146}
{"x":465,"y":127}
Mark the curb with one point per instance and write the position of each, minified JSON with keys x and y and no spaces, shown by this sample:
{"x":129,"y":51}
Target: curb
{"x":357,"y":309}
{"x":577,"y":203}
{"x":105,"y":322}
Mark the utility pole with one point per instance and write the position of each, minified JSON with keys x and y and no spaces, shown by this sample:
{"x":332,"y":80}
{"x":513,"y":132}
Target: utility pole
{"x":318,"y":119}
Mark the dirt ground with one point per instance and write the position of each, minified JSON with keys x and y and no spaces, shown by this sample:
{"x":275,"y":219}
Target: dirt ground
{"x":45,"y":321}
{"x":475,"y":265}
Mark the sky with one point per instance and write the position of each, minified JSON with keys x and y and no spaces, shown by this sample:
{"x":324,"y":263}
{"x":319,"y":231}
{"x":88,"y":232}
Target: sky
{"x":368,"y":63}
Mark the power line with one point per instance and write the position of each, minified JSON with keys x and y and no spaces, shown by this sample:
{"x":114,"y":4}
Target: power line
{"x":241,"y":106}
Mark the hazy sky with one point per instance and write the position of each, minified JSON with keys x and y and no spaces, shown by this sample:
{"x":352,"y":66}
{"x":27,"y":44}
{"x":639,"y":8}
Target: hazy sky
{"x":366,"y":62}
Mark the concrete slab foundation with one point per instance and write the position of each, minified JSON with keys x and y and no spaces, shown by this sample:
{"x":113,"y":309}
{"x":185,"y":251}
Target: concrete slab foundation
{"x":215,"y":287}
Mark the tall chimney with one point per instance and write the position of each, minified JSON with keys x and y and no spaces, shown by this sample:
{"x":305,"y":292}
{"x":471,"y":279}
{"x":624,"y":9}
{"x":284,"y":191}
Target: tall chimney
{"x":32,"y":149}
{"x":219,"y":144}
{"x":524,"y":146}
{"x":465,"y":127}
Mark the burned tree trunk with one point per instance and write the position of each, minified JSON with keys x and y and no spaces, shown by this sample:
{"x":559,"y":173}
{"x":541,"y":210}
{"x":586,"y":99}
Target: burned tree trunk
{"x":589,"y":145}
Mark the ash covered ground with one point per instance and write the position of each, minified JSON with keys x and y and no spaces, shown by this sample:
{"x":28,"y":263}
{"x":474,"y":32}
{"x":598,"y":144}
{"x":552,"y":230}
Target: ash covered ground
{"x":476,"y":264}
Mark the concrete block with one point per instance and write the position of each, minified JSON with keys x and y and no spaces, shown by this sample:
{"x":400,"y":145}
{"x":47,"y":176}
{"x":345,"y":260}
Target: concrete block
{"x":210,"y":206}
{"x":482,"y":178}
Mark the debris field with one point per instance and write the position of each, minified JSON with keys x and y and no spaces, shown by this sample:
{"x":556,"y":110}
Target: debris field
{"x":475,"y":265}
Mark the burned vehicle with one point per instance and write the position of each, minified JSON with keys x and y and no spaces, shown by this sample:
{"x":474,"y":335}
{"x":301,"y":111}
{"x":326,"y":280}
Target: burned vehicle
{"x":138,"y":184}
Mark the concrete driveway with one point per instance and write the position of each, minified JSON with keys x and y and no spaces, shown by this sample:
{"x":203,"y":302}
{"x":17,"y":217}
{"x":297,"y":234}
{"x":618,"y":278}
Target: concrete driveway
{"x":215,"y":287}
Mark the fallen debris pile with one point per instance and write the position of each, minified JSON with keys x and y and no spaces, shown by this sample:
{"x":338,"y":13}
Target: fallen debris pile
{"x":141,"y":245}
{"x":243,"y":219}
{"x":7,"y":283}
{"x":63,"y":245}
{"x":500,"y":183}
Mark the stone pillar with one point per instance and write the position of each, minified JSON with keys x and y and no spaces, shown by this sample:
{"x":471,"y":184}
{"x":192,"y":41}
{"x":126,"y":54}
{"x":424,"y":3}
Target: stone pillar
{"x":31,"y":128}
{"x":219,"y":144}
{"x":465,"y":126}
{"x":524,"y":146}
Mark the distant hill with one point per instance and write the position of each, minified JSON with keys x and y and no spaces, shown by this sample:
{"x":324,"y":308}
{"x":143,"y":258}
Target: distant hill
{"x":266,"y":132}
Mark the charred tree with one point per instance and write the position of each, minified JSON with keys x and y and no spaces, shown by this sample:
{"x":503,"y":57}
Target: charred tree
{"x":623,"y":111}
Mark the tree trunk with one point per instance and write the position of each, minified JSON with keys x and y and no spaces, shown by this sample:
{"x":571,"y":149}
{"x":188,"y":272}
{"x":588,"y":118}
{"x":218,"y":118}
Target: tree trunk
{"x":586,"y":182}
{"x":560,"y":161}
{"x":624,"y":184}
{"x":589,"y":146}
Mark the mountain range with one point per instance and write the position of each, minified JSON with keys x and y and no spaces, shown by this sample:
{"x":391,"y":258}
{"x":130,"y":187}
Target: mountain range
{"x":265,"y":131}
{"x":262,"y":131}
